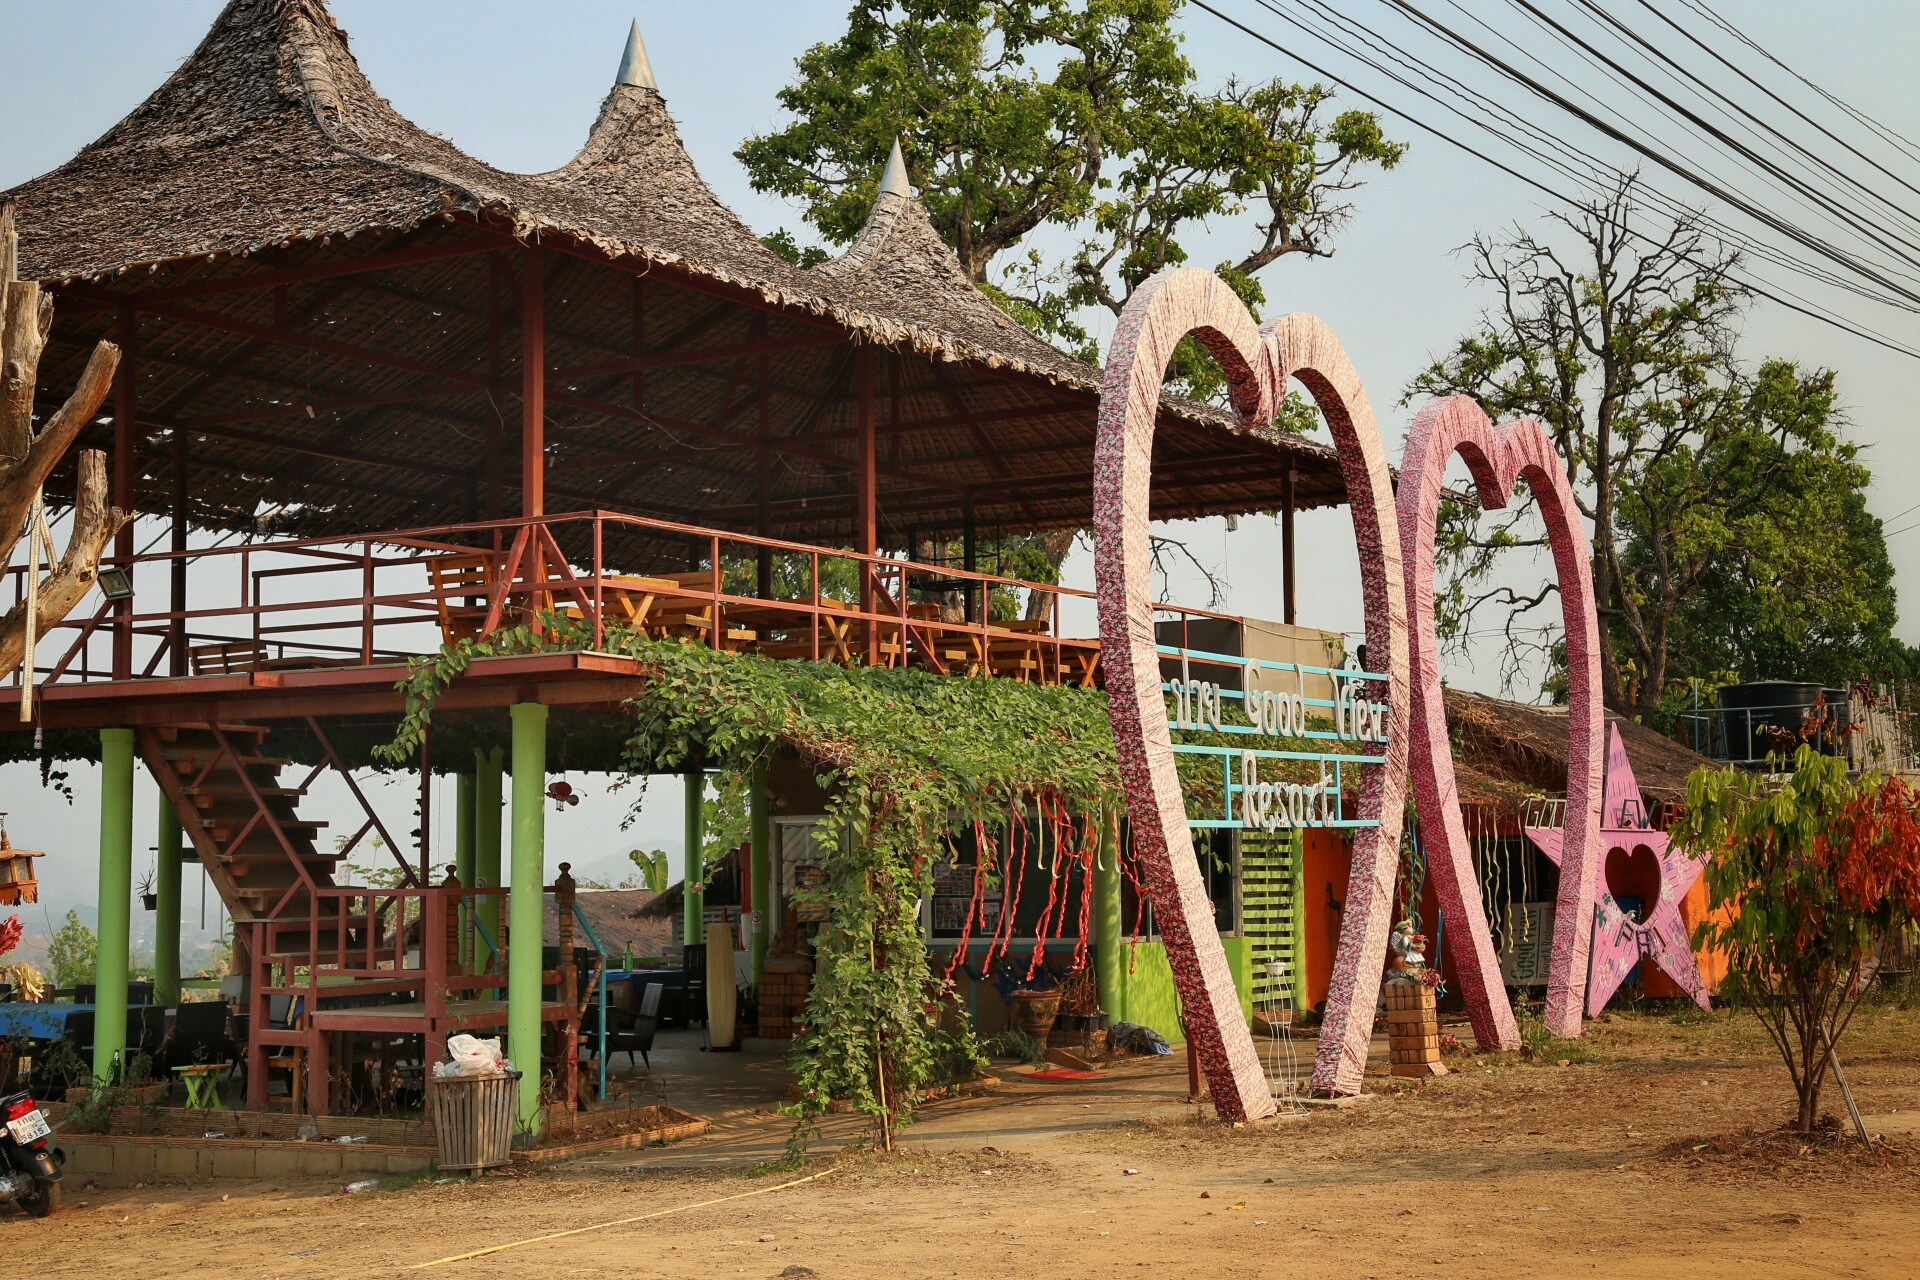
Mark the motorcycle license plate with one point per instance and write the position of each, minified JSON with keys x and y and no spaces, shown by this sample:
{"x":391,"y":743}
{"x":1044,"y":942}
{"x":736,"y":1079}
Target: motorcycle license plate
{"x":30,"y":1127}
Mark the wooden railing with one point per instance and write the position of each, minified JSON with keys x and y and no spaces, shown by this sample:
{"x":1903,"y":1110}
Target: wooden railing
{"x":383,"y":597}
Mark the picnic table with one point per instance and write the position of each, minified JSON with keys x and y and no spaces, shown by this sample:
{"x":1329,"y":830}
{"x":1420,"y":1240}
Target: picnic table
{"x":203,"y":1085}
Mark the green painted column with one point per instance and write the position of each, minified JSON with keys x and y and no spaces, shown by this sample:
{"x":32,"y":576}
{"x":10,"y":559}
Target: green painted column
{"x":760,"y":865}
{"x":464,"y":821}
{"x":694,"y":923}
{"x":524,"y":903}
{"x":1109,"y":965}
{"x":166,"y":923}
{"x":487,"y":767}
{"x":115,"y":898}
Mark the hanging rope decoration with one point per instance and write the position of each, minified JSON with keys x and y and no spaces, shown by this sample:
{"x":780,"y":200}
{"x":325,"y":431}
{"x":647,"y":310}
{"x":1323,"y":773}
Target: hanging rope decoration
{"x":976,"y":902}
{"x":1130,"y":867}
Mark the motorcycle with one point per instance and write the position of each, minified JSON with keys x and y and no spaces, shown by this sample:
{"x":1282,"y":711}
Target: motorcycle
{"x":29,"y":1166}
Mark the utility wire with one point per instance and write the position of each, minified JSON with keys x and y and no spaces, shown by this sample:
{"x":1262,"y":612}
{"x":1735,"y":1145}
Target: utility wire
{"x":1881,"y":235}
{"x":1774,"y":294}
{"x":1572,"y":162}
{"x":1654,"y":154}
{"x":1717,"y":56}
{"x":1898,"y":140}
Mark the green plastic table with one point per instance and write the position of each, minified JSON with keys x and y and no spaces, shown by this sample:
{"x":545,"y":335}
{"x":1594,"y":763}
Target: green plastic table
{"x":203,"y":1085}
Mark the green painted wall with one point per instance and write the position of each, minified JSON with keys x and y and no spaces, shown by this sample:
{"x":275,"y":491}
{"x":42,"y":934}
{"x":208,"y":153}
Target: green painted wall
{"x":1147,"y":996}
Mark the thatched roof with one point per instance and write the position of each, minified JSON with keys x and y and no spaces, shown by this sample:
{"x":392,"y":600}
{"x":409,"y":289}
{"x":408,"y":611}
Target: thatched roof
{"x":617,"y":919}
{"x":1522,"y":748}
{"x":238,"y":207}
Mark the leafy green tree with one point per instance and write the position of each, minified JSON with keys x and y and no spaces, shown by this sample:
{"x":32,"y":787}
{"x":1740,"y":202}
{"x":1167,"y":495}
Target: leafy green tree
{"x":1083,"y":114}
{"x":71,"y":953}
{"x":1713,"y":490}
{"x":654,"y":867}
{"x":1808,"y":873}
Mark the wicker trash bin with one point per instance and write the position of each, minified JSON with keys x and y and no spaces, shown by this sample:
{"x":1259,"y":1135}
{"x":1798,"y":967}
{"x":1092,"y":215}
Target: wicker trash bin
{"x":473,"y":1119}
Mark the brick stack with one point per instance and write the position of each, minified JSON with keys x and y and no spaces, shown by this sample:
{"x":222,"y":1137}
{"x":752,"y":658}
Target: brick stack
{"x":1413,"y":1030}
{"x":783,"y":997}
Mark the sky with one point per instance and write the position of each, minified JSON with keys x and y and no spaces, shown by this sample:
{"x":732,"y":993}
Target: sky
{"x":518,"y":84}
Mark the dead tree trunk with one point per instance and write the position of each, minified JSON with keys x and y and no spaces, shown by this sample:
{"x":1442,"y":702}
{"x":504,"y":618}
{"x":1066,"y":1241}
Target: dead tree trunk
{"x":27,"y":456}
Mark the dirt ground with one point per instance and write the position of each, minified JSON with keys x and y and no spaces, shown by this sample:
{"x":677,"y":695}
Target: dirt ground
{"x":1653,"y":1152}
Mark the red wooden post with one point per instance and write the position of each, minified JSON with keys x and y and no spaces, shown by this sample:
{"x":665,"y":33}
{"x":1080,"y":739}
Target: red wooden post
{"x":125,"y":443}
{"x":1287,"y":613}
{"x":177,"y":603}
{"x":366,"y":604}
{"x":533,"y":411}
{"x":319,"y":1070}
{"x":639,"y":343}
{"x":867,"y":525}
{"x":496,"y":450}
{"x":248,"y":948}
{"x":533,"y":383}
{"x":599,"y":573}
{"x":716,"y":628}
{"x":813,"y":594}
{"x":763,"y":563}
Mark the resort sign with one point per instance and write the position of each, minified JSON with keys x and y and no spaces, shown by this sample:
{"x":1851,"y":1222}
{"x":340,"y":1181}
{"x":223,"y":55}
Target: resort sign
{"x":1356,"y":731}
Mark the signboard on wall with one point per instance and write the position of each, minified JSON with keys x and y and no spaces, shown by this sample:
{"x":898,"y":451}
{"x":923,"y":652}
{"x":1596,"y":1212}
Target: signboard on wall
{"x":1528,"y":944}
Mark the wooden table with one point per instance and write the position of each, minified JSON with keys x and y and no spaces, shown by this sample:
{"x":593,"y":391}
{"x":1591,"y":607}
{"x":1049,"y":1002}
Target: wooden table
{"x":203,"y":1085}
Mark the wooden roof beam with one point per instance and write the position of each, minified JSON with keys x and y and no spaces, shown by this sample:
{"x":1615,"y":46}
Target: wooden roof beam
{"x":778,"y":444}
{"x":700,"y":355}
{"x":388,"y":261}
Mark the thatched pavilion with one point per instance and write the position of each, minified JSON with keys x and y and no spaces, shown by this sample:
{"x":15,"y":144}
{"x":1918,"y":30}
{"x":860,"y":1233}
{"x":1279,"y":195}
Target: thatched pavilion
{"x":366,"y":352}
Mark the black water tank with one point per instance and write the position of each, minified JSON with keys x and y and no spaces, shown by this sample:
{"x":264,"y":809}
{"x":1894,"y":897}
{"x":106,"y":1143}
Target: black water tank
{"x":1782,"y":705}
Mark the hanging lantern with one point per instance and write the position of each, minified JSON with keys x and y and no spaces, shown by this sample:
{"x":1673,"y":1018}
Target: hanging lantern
{"x":18,"y":884}
{"x":562,"y":795}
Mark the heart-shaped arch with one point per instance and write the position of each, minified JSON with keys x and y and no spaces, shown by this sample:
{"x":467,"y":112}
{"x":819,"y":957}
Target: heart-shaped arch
{"x":1497,"y":457}
{"x":1164,"y":309}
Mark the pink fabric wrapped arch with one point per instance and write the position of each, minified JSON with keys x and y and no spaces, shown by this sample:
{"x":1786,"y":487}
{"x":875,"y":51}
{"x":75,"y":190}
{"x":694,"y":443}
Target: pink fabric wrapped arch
{"x":1166,"y":308}
{"x":1498,"y":456}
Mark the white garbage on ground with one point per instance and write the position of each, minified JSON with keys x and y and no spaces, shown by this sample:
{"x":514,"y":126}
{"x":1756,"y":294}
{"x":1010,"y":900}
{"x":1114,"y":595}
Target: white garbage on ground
{"x":469,"y":1057}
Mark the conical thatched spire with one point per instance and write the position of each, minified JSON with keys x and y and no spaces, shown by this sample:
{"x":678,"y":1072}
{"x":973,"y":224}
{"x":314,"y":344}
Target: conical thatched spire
{"x":893,"y":182}
{"x":635,"y":70}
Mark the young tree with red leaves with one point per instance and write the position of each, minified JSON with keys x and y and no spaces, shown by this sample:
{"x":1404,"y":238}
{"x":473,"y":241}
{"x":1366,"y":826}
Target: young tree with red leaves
{"x":1809,"y":871}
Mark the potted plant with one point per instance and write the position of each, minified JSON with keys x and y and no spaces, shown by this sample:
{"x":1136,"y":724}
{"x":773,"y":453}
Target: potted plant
{"x":148,"y":898}
{"x":1033,"y":1011}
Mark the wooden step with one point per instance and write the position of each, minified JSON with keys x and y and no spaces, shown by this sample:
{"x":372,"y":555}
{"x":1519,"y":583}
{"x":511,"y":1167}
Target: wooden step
{"x":224,"y":828}
{"x":287,"y":793}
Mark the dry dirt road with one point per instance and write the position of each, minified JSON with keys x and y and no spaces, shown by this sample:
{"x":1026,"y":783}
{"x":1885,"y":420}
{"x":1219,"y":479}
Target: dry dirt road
{"x":1657,"y":1157}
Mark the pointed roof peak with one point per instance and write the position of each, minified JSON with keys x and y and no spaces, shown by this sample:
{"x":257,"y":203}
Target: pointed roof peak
{"x":635,"y":70}
{"x":894,"y":180}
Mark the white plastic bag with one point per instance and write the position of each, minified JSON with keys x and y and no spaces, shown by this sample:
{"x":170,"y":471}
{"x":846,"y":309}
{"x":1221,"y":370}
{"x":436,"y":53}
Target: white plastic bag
{"x":468,"y":1056}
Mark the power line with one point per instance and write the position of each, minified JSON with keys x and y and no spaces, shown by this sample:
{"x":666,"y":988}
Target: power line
{"x":1774,"y":294}
{"x":1818,"y":198}
{"x":1579,"y":165}
{"x":1896,"y":139}
{"x":1654,"y":154}
{"x":1717,"y":56}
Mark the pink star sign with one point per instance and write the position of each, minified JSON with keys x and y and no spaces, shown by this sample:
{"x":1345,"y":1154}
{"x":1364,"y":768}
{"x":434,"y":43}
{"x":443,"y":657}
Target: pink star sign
{"x":1620,"y":941}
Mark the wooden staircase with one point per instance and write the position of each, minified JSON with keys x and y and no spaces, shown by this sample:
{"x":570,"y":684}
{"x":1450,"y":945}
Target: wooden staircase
{"x":245,"y":825}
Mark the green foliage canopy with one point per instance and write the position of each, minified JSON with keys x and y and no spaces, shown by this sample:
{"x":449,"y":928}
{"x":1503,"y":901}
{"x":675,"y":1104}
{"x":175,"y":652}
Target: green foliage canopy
{"x":1082,"y":114}
{"x":71,"y":953}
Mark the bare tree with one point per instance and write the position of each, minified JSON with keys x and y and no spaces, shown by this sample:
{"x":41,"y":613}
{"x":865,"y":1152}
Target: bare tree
{"x":1625,"y":356}
{"x":28,"y":457}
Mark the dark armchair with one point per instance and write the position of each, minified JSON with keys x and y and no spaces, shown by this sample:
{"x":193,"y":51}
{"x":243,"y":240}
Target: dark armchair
{"x":200,"y":1036}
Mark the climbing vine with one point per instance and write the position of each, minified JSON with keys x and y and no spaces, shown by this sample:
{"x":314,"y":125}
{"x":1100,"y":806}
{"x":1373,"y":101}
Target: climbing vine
{"x":907,"y":759}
